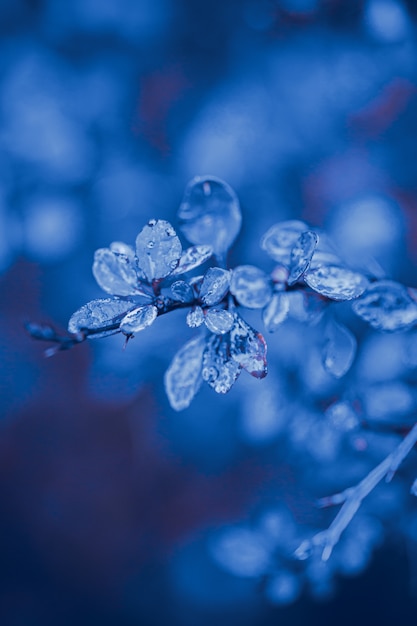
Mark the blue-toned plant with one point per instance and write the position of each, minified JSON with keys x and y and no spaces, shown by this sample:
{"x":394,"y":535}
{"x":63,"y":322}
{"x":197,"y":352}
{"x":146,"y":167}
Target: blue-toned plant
{"x":158,"y":276}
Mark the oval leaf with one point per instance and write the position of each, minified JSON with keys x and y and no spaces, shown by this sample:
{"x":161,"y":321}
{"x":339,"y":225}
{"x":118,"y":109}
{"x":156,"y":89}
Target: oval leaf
{"x":115,"y":273}
{"x":250,"y":286}
{"x":195,"y":317}
{"x":158,"y":249}
{"x":219,"y":370}
{"x":138,"y":319}
{"x":215,"y":285}
{"x":387,"y":305}
{"x":104,"y":313}
{"x":301,"y":255}
{"x":280,"y":238}
{"x":191,"y":258}
{"x":248,"y":348}
{"x":339,"y":349}
{"x":183,"y":377}
{"x":276,"y":312}
{"x":182,"y":291}
{"x":210,"y":213}
{"x":336,"y":283}
{"x":219,"y":321}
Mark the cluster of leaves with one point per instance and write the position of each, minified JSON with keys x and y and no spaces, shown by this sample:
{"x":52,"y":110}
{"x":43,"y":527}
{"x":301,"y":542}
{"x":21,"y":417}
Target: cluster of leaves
{"x":150,"y":280}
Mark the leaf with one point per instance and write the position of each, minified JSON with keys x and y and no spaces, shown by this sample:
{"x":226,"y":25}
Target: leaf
{"x":219,"y":321}
{"x":219,"y":370}
{"x":139,"y":318}
{"x":183,"y":377}
{"x":336,"y":283}
{"x":276,"y":312}
{"x":248,"y":348}
{"x":210,"y":213}
{"x":387,"y":306}
{"x":158,"y":249}
{"x":182,"y":291}
{"x":339,"y":349}
{"x":215,"y":285}
{"x":115,"y":273}
{"x":105,"y":313}
{"x":191,"y":258}
{"x":301,"y":255}
{"x":250,"y":286}
{"x":195,"y":317}
{"x":279,"y":240}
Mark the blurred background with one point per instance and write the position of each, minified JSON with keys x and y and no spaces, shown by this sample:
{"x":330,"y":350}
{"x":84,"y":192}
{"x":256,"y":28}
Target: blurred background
{"x":115,"y":509}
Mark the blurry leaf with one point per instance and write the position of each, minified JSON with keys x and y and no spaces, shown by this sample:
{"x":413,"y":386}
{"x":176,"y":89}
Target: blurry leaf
{"x":158,"y":249}
{"x":241,"y":552}
{"x":138,"y":319}
{"x":191,"y":258}
{"x":219,"y":370}
{"x":276,"y":312}
{"x":280,"y":238}
{"x":336,"y":283}
{"x":183,"y":377}
{"x":301,"y":255}
{"x":250,"y":286}
{"x":339,"y":349}
{"x":215,"y":285}
{"x":182,"y":291}
{"x":219,"y":321}
{"x":210,"y":214}
{"x":115,"y":273}
{"x":248,"y":348}
{"x":195,"y":317}
{"x":387,"y":305}
{"x":101,"y":313}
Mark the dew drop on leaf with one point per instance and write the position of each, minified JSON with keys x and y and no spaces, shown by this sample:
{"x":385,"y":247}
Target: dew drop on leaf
{"x":101,"y":313}
{"x":219,"y":370}
{"x":248,"y":348}
{"x":339,"y":349}
{"x":182,"y":291}
{"x":280,"y":238}
{"x":183,"y":377}
{"x":219,"y":321}
{"x":210,"y":214}
{"x":195,"y":317}
{"x":301,"y":255}
{"x":191,"y":258}
{"x":387,"y":306}
{"x":215,"y":285}
{"x":115,"y":273}
{"x":139,"y":318}
{"x":276,"y":312}
{"x":158,"y":249}
{"x":336,"y":283}
{"x":250,"y":286}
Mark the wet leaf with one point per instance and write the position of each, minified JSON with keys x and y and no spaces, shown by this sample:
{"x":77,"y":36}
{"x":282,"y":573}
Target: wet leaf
{"x":215,"y":285}
{"x":336,"y":283}
{"x":276,"y":312}
{"x":139,"y":318}
{"x":220,"y":371}
{"x":105,"y":313}
{"x":191,"y":258}
{"x":301,"y":255}
{"x":195,"y":317}
{"x":115,"y":273}
{"x":280,"y":238}
{"x":158,"y":249}
{"x":182,"y":291}
{"x":210,"y":214}
{"x":248,"y":348}
{"x":219,"y":321}
{"x":183,"y":377}
{"x":251,"y":286}
{"x":387,"y":306}
{"x":339,"y":349}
